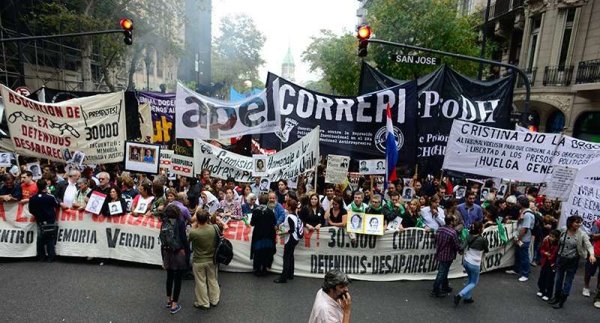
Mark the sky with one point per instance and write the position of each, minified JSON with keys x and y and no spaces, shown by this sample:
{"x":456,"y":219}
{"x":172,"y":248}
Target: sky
{"x":287,"y":22}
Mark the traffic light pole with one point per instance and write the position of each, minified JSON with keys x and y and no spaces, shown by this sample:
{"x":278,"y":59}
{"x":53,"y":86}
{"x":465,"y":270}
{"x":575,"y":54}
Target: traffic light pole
{"x":469,"y":58}
{"x":88,"y":33}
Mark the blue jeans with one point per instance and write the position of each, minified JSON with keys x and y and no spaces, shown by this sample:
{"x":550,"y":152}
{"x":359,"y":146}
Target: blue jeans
{"x":441,"y":280}
{"x":522,"y":264}
{"x":564,"y":276}
{"x":473,"y":274}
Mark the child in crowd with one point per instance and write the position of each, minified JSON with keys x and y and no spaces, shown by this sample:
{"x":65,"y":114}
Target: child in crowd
{"x":548,"y":250}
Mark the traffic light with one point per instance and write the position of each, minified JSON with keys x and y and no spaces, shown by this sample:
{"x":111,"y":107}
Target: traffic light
{"x":363,"y":34}
{"x":127,"y":26}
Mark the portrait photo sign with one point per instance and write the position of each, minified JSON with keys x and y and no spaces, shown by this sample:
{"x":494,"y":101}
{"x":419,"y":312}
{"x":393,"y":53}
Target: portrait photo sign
{"x":140,"y":157}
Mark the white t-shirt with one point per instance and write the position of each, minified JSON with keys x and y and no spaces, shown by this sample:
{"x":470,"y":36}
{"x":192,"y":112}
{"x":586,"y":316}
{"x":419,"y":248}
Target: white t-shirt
{"x":70,"y":194}
{"x":325,"y":309}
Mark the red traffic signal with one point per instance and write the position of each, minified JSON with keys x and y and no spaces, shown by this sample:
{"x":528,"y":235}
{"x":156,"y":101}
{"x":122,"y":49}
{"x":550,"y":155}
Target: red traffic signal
{"x":364,"y":32}
{"x":127,"y":26}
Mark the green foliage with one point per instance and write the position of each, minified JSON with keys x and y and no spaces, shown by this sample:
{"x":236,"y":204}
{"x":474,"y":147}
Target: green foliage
{"x":236,"y":52}
{"x":156,"y":26}
{"x":336,"y":57}
{"x":431,"y":24}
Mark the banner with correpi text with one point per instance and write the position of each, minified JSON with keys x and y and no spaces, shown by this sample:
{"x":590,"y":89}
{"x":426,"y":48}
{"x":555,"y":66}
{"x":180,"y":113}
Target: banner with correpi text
{"x":350,"y":126}
{"x":300,"y":157}
{"x":397,"y":255}
{"x":515,"y":155}
{"x":584,"y":197}
{"x":201,"y":117}
{"x":445,"y":95}
{"x":94,"y":125}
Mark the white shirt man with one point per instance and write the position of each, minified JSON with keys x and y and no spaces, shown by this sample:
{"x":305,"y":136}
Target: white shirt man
{"x":333,"y":301}
{"x":70,"y":191}
{"x":433,"y":215}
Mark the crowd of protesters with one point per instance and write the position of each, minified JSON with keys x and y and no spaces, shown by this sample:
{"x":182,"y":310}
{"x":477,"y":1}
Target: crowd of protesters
{"x":455,"y":210}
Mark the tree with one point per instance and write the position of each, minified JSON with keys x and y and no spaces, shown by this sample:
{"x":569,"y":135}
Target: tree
{"x":336,"y":57}
{"x":155,"y":28}
{"x":236,"y":52}
{"x":425,"y":23}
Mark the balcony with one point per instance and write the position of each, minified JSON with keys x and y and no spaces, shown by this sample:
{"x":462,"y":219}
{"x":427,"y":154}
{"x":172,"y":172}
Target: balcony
{"x":588,"y":72}
{"x":530,"y":75}
{"x":502,"y":7}
{"x":558,"y":75}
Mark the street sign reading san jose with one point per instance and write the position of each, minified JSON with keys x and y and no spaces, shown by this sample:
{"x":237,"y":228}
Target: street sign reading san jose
{"x":413,"y":59}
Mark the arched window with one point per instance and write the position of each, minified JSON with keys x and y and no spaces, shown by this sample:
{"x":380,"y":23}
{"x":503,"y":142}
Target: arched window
{"x":555,"y":123}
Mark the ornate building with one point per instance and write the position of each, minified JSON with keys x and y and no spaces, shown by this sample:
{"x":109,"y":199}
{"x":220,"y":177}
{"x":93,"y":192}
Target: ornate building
{"x":557,"y":43}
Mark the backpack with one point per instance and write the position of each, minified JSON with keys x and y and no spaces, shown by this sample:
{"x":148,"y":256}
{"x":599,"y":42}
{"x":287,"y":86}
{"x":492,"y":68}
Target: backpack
{"x":299,"y":228}
{"x":168,"y":235}
{"x":223,"y":249}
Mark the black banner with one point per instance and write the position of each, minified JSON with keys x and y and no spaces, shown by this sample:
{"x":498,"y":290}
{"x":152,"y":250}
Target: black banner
{"x":445,"y":95}
{"x":350,"y":126}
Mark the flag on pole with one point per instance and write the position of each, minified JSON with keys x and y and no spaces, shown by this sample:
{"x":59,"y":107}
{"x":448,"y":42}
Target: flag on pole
{"x":391,"y":149}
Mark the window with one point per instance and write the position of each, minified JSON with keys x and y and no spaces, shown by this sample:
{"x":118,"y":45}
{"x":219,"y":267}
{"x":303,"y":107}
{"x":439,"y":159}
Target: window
{"x":566,"y":37}
{"x":534,"y":38}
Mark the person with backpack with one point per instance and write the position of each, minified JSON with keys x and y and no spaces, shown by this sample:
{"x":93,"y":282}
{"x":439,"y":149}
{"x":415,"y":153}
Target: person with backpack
{"x":173,"y":240}
{"x":203,"y":237}
{"x":523,"y":240}
{"x":294,"y":231}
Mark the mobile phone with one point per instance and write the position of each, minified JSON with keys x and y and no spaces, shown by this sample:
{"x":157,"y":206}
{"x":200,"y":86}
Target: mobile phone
{"x":342,"y":295}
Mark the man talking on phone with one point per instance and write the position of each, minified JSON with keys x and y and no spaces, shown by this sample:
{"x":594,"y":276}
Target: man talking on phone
{"x":333,"y":301}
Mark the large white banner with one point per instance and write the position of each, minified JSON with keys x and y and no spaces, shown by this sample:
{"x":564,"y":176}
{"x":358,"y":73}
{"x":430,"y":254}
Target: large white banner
{"x":405,"y":255}
{"x":300,"y":157}
{"x":526,"y":156}
{"x":584,"y":197}
{"x":82,"y":234}
{"x":198,"y":116}
{"x":94,"y":125}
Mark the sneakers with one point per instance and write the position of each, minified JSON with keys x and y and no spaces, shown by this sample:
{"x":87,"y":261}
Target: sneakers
{"x":545,"y":298}
{"x":468,"y":301}
{"x":523,"y":279}
{"x":280,"y":281}
{"x":168,"y":305}
{"x":597,"y":304}
{"x":539,"y":294}
{"x":437,"y":294}
{"x":510,"y":271}
{"x":176,"y":309}
{"x":586,"y":292}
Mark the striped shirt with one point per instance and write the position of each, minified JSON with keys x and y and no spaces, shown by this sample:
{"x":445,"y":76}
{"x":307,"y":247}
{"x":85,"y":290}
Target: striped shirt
{"x":447,"y":244}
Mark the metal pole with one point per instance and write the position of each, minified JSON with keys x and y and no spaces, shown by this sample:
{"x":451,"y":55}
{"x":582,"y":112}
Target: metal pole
{"x":466,"y":57}
{"x":484,"y":38}
{"x":87,"y":33}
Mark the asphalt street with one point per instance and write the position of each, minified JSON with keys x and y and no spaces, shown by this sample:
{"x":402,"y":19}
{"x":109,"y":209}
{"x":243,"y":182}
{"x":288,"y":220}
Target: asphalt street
{"x":75,"y":290}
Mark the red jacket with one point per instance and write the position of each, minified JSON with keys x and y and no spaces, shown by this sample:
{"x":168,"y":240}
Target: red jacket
{"x":551,"y":248}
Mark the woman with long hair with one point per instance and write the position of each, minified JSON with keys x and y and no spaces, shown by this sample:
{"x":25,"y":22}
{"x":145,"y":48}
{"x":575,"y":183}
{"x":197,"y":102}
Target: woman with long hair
{"x":573,"y":245}
{"x":115,"y":197}
{"x":174,"y":256}
{"x":410,"y":217}
{"x":337,"y":215}
{"x":474,"y":247}
{"x":312,"y":215}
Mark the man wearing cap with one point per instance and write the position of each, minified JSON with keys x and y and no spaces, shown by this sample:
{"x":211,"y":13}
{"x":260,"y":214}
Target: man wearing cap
{"x":333,"y":301}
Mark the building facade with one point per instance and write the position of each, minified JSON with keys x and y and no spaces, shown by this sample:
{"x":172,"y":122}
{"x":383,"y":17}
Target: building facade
{"x":557,"y":43}
{"x":288,"y":68}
